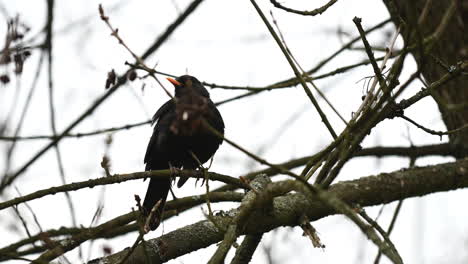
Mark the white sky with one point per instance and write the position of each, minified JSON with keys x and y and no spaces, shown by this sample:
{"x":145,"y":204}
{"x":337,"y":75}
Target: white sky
{"x":223,"y":42}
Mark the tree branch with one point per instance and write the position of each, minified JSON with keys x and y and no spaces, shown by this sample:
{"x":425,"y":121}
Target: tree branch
{"x":317,"y":11}
{"x":367,"y":191}
{"x":119,"y":178}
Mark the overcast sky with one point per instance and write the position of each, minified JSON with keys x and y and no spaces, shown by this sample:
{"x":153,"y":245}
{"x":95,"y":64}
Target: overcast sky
{"x":223,"y":42}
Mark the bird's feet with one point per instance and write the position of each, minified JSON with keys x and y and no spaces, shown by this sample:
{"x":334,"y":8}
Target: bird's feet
{"x":204,"y":172}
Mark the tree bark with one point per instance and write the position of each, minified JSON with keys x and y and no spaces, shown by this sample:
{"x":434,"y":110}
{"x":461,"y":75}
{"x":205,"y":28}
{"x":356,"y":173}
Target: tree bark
{"x":450,"y":48}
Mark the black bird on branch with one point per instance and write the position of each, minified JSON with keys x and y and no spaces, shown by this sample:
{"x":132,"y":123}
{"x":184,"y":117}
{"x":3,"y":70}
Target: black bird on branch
{"x":180,"y":139}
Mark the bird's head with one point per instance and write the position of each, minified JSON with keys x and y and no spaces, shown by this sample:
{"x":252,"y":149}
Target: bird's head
{"x":188,"y":84}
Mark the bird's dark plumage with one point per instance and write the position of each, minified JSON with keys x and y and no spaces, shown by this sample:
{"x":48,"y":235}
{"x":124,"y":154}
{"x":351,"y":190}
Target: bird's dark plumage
{"x":178,"y":135}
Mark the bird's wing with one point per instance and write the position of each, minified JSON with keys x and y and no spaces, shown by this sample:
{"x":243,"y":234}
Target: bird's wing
{"x":218,"y":120}
{"x":162,"y":110}
{"x":152,"y":145}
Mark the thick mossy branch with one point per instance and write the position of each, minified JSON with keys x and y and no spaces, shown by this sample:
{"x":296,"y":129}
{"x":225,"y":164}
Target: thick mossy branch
{"x":250,"y":203}
{"x":287,"y":210}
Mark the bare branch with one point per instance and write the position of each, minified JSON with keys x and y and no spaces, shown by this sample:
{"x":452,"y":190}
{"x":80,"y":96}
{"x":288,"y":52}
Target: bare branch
{"x":367,"y":191}
{"x":317,"y":11}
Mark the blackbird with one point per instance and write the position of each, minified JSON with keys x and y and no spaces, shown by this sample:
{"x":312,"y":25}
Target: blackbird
{"x":180,"y":139}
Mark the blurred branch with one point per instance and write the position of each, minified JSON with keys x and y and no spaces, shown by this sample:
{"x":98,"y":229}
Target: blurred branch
{"x":16,"y":52}
{"x":171,"y":28}
{"x":24,"y":112}
{"x":139,"y":62}
{"x":376,"y":226}
{"x":8,"y":179}
{"x":441,"y":28}
{"x":48,"y":46}
{"x":78,"y":135}
{"x":390,"y":227}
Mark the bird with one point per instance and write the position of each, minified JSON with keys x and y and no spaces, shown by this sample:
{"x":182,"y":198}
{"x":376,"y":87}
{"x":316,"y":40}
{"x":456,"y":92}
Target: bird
{"x":180,"y":139}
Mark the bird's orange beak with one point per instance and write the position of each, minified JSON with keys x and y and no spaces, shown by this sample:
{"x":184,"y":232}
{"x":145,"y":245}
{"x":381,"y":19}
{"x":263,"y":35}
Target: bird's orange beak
{"x":174,"y":82}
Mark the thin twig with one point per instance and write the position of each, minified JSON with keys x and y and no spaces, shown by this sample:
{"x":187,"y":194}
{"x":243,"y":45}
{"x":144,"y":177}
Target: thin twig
{"x":78,"y":135}
{"x":141,"y":63}
{"x":317,"y":11}
{"x":371,"y":95}
{"x":390,"y":227}
{"x":26,"y":106}
{"x":434,"y":132}
{"x":295,"y":70}
{"x":303,"y":73}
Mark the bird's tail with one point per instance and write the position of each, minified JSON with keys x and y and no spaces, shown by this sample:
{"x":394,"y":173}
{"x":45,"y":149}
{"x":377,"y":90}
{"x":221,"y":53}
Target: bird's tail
{"x":157,"y":191}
